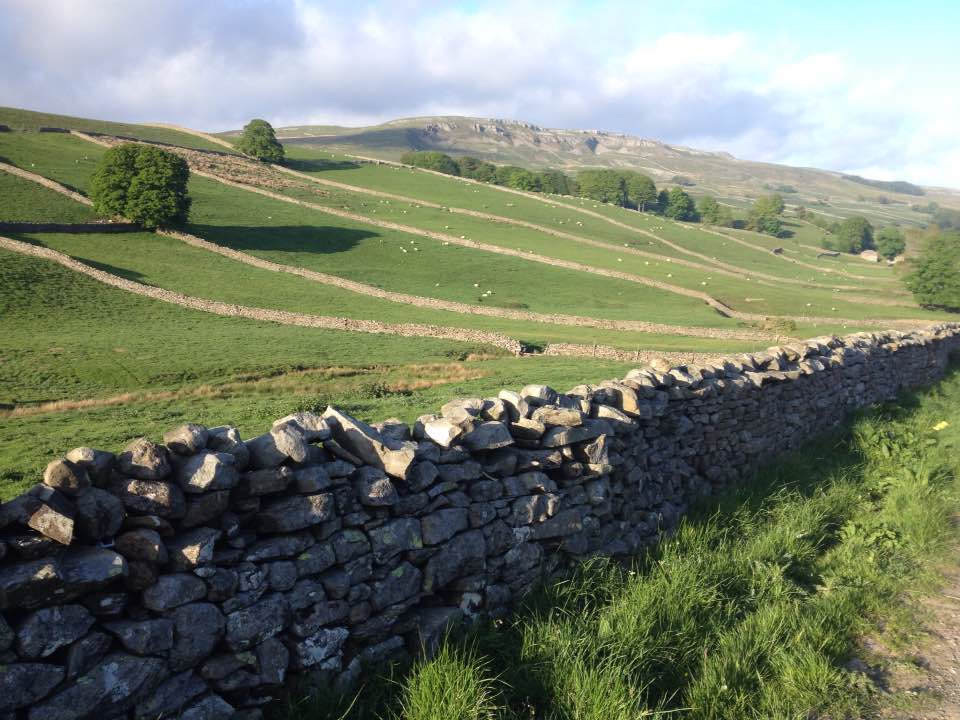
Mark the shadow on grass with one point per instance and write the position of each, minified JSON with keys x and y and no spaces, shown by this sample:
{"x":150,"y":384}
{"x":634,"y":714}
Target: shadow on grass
{"x":386,"y":138}
{"x":523,"y":686}
{"x":319,"y":165}
{"x":317,"y":239}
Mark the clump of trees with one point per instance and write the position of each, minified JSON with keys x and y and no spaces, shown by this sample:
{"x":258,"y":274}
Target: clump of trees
{"x":935,"y":278}
{"x":259,"y":141}
{"x":518,"y":178}
{"x":713,"y":213}
{"x":890,"y":242}
{"x":765,"y":214}
{"x":625,"y":188}
{"x":142,"y":183}
{"x":853,"y":235}
{"x":678,"y":205}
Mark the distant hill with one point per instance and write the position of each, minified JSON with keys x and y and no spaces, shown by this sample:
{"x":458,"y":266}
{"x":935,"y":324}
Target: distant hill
{"x":718,"y":173}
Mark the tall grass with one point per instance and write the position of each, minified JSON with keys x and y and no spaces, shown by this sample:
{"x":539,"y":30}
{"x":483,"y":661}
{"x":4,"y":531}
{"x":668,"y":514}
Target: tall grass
{"x":749,"y":610}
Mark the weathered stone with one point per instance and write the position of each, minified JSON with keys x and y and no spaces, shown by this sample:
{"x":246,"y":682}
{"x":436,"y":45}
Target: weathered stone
{"x":290,"y":440}
{"x":30,"y":584}
{"x":86,"y":652}
{"x":114,"y":686}
{"x":253,"y":625}
{"x":539,"y":394}
{"x":566,"y":522}
{"x":272,"y":661}
{"x":533,"y":508}
{"x":32,"y":547}
{"x":488,"y":436}
{"x":192,"y":548}
{"x":150,"y":497}
{"x":144,"y":460}
{"x":98,"y":515}
{"x":374,"y":489}
{"x":7,"y":635}
{"x":309,"y":619}
{"x":553,"y":416}
{"x":278,"y":548}
{"x":45,"y":631}
{"x":401,"y":584}
{"x":264,"y":453}
{"x":527,"y":429}
{"x":311,"y":479}
{"x":227,"y":440}
{"x":442,"y":525}
{"x":517,"y":406}
{"x":391,"y":456}
{"x":313,"y":427}
{"x":186,"y":439}
{"x":52,"y":515}
{"x":395,"y":537}
{"x":267,"y":481}
{"x":171,"y":591}
{"x":463,"y":555}
{"x":282,"y":575}
{"x":198,"y":627}
{"x":527,"y":483}
{"x":171,"y":697}
{"x":23,"y":684}
{"x":321,"y":651}
{"x":140,"y":575}
{"x":143,"y":637}
{"x":306,"y":592}
{"x":212,"y":707}
{"x":143,"y":545}
{"x":68,"y":477}
{"x":422,"y":475}
{"x":559,"y":436}
{"x":463,"y":472}
{"x":220,"y":666}
{"x":85,"y":570}
{"x":295,"y":513}
{"x":442,"y":431}
{"x":98,"y":463}
{"x":207,"y":471}
{"x":349,"y":544}
{"x":202,"y":509}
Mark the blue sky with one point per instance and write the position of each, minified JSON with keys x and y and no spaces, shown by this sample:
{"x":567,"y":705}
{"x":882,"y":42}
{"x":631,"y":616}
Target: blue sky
{"x":853,"y":86}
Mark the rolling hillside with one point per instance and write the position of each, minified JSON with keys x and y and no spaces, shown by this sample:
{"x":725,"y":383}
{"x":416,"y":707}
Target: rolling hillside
{"x":734,"y":180}
{"x":374,"y":285}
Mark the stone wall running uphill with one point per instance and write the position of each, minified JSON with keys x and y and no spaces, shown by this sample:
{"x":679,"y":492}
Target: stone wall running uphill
{"x":196,"y":576}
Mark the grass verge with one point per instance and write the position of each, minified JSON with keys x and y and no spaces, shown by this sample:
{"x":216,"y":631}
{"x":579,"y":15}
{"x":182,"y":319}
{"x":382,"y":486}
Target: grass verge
{"x":748,"y":611}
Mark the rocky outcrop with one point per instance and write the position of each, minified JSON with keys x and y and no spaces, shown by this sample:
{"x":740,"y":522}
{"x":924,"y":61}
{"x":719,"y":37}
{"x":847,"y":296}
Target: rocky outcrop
{"x":196,"y":576}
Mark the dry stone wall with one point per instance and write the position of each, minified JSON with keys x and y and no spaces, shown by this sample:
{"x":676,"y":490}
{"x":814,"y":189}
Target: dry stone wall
{"x":195,"y":577}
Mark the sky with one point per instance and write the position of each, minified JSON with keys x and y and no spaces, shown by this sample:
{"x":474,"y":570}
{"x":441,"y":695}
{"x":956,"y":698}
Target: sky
{"x":863,"y":87}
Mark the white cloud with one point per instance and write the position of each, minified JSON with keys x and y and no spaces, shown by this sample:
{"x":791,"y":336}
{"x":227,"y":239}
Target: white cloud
{"x":216,"y":63}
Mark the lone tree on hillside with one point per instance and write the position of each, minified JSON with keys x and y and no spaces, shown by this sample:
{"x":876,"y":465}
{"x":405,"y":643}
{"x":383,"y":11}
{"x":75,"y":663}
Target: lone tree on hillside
{"x":260,"y":142}
{"x":765,"y":215}
{"x":935,"y":279}
{"x":142,"y":183}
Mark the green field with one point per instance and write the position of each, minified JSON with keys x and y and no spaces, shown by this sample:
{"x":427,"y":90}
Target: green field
{"x":81,"y":362}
